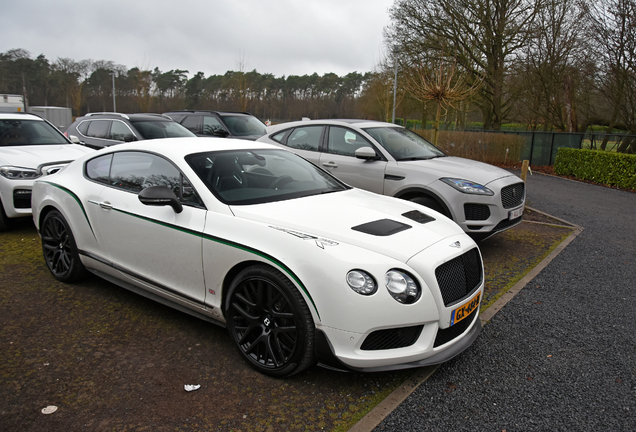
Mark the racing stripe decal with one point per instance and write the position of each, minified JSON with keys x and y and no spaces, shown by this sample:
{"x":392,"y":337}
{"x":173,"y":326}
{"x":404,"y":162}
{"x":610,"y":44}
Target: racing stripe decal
{"x":231,"y":244}
{"x":76,"y":198}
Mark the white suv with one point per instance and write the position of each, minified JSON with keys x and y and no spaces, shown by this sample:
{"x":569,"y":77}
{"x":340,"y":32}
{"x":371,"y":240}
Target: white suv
{"x":391,"y":160}
{"x":30,"y":147}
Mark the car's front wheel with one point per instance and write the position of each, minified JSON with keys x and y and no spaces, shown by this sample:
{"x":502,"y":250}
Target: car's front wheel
{"x":270,"y":322}
{"x":59,"y":248}
{"x":430,"y":203}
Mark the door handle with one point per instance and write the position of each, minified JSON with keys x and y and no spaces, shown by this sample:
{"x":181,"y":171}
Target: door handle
{"x":106,"y":205}
{"x":330,"y":164}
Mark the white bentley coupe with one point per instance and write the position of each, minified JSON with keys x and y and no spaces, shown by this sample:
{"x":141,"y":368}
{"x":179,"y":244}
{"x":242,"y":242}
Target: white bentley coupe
{"x":300,"y":267}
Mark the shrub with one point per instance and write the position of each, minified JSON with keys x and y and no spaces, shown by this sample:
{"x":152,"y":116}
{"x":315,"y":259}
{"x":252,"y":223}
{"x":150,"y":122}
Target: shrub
{"x":492,"y":148}
{"x":612,"y":169}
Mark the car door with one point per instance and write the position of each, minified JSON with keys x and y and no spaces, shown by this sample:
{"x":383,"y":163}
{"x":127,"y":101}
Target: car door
{"x":151,"y":244}
{"x":339,"y":159}
{"x":97,"y":134}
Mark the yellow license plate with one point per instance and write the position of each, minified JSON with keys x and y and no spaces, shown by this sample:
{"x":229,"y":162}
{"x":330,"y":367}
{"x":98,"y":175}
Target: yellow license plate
{"x":463,"y":311}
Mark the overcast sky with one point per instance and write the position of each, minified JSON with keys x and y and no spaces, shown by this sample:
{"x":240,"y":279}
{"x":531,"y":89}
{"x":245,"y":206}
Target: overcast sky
{"x":281,"y":37}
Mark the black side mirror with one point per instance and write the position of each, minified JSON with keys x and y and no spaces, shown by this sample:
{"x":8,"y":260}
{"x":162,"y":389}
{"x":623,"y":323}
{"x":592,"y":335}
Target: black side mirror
{"x":220,"y":133}
{"x":160,"y":196}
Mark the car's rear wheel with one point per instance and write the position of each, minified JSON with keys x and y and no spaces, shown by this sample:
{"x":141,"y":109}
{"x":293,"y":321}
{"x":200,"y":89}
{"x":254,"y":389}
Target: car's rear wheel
{"x":270,"y":322}
{"x":59,"y":248}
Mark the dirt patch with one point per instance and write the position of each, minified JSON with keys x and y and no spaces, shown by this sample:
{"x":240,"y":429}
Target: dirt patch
{"x":112,"y":360}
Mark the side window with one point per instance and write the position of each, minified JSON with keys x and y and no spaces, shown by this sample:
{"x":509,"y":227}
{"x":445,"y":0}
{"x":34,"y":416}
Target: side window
{"x":98,"y":169}
{"x":305,"y":138}
{"x":135,"y":171}
{"x":98,"y":128}
{"x":192,"y":123}
{"x":121,"y":132}
{"x":344,"y":141}
{"x":211,"y":125}
{"x":83,"y":126}
{"x":280,"y":137}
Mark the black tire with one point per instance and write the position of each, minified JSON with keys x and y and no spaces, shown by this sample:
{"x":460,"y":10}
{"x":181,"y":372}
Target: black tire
{"x":60,"y":249}
{"x":4,"y":220}
{"x":270,"y":322}
{"x":430,"y":203}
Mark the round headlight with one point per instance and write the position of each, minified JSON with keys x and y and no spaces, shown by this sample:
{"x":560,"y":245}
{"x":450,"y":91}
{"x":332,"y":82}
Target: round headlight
{"x":402,"y":287}
{"x":361,"y":282}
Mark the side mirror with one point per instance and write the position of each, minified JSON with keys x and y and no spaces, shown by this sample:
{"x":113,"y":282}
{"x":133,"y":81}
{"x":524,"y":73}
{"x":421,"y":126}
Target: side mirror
{"x":160,"y":196}
{"x":74,"y":139}
{"x":220,"y":133}
{"x":366,"y":153}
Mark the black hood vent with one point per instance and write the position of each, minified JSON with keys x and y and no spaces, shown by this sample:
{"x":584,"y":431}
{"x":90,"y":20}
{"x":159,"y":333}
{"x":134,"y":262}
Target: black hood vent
{"x":418,"y":216}
{"x":382,"y":227}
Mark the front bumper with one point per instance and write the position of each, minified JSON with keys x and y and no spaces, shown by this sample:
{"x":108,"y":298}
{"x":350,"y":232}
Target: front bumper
{"x":327,"y":357}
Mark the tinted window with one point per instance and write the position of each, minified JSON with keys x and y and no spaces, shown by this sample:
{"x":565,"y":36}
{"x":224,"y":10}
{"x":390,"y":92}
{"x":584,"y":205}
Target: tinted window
{"x":152,"y":129}
{"x":279,"y":136}
{"x":244,"y":125}
{"x":121,"y":132}
{"x":344,"y":141}
{"x":192,"y":123}
{"x":98,"y":169}
{"x":83,"y":126}
{"x":305,"y":138}
{"x":98,"y":128}
{"x":135,"y":171}
{"x":211,"y":125}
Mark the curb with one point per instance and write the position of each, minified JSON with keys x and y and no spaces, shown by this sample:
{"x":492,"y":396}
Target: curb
{"x":392,"y":401}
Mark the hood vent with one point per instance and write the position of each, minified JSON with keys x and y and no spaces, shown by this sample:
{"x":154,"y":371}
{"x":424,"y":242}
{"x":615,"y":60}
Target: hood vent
{"x":382,"y":227}
{"x":418,"y":216}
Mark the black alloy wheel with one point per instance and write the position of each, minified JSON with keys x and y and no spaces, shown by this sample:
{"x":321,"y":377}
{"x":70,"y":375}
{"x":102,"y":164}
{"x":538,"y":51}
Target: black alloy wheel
{"x":270,"y":322}
{"x":59,"y":248}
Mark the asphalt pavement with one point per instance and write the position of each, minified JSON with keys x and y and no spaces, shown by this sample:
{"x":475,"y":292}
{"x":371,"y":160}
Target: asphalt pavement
{"x":561,"y":355}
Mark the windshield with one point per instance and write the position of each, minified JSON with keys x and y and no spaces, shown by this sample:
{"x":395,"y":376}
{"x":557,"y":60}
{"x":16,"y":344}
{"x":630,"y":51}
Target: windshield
{"x":29,"y":132}
{"x":244,"y":125}
{"x":403,"y":144}
{"x":152,"y":129}
{"x":259,"y":176}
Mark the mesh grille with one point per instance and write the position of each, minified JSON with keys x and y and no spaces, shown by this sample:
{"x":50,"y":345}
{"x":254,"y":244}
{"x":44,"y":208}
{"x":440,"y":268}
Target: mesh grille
{"x":506,"y":223}
{"x":476,"y":212}
{"x":459,"y":277}
{"x":448,"y":334}
{"x":22,"y":198}
{"x":512,"y":196}
{"x":392,"y":338}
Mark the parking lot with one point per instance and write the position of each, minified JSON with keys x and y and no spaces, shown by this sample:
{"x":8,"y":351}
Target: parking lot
{"x":112,"y":360}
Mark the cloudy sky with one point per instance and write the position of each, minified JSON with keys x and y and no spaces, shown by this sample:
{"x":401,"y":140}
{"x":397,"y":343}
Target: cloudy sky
{"x":281,"y":37}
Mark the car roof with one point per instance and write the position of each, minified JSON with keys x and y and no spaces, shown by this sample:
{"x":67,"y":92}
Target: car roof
{"x":208,"y":112}
{"x":19,"y":116}
{"x":340,"y":122}
{"x":135,"y":116}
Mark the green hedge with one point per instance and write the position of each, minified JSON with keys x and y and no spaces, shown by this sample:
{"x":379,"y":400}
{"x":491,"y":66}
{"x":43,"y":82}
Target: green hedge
{"x":612,"y":169}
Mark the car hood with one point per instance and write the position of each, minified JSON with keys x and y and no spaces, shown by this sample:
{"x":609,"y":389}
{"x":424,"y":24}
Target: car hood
{"x":333,"y":217}
{"x":456,"y":167}
{"x":36,"y":155}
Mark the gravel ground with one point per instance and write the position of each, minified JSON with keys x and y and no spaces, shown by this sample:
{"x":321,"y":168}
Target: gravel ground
{"x":561,"y":354}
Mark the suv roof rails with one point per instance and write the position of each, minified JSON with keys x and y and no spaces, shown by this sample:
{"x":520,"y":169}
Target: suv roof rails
{"x":211,"y":111}
{"x":106,"y":113}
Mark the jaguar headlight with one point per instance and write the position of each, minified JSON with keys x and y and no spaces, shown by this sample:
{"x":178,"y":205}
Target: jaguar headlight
{"x":467,"y":186}
{"x":18,"y":173}
{"x":361,"y":282}
{"x":402,"y":286}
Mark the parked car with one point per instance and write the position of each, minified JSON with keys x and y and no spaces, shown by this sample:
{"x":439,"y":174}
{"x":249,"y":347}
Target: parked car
{"x":391,"y":160}
{"x":98,"y":130}
{"x":30,"y":148}
{"x":300,"y":267}
{"x":222,"y":124}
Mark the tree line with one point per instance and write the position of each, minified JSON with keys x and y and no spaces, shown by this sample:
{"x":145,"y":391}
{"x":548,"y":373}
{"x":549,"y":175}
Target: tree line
{"x":555,"y":65}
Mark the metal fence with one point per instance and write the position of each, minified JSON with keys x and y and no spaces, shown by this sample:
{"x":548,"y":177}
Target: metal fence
{"x":541,"y":148}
